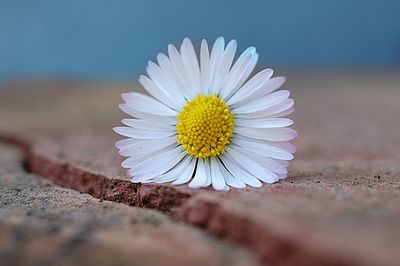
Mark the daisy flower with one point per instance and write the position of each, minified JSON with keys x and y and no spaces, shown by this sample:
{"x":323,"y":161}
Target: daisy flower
{"x":206,"y":123}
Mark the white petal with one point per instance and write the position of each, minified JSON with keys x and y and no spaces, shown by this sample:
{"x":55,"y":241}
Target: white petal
{"x":165,"y":82}
{"x":139,"y":158}
{"x":246,"y":73}
{"x":158,"y":164}
{"x":207,"y":166}
{"x":175,"y":172}
{"x":271,"y":134}
{"x":128,"y":162}
{"x":146,"y":116}
{"x":200,"y":176}
{"x":147,"y":146}
{"x":269,"y":165}
{"x":282,"y":176}
{"x":238,"y":70}
{"x":205,"y":66}
{"x":225,"y":65}
{"x":252,"y":166}
{"x":238,"y":172}
{"x":147,"y":104}
{"x":257,"y":92}
{"x":158,"y":93}
{"x":270,"y":111}
{"x":284,"y":112}
{"x":263,"y":148}
{"x":229,"y":178}
{"x":272,"y":85}
{"x":217,"y":180}
{"x":187,"y":174}
{"x":283,"y":145}
{"x":263,"y":103}
{"x":180,"y":70}
{"x":215,"y":58}
{"x":256,"y":82}
{"x":282,"y":162}
{"x":263,"y":122}
{"x":140,"y":179}
{"x":192,"y":65}
{"x":166,"y":64}
{"x":125,"y":142}
{"x":226,"y":188}
{"x":143,"y":134}
{"x":149,"y":124}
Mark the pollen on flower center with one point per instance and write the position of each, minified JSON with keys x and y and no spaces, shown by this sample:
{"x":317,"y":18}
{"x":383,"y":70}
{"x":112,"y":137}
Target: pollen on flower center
{"x":205,"y":126}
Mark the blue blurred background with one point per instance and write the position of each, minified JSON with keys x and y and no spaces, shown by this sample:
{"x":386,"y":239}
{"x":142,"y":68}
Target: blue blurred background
{"x":109,"y":40}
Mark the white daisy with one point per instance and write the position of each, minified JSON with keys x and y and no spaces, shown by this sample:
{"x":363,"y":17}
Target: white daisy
{"x":207,"y":123}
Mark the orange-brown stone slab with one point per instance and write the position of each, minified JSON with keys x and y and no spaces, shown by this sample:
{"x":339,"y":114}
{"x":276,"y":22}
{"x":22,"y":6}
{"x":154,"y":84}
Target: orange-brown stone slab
{"x":339,"y":205}
{"x":42,"y":224}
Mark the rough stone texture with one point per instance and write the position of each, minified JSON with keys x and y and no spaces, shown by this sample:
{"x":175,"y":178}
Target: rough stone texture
{"x":41,"y":224}
{"x":339,"y":205}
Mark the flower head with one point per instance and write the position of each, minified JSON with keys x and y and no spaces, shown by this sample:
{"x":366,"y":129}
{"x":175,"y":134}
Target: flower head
{"x":206,"y":123}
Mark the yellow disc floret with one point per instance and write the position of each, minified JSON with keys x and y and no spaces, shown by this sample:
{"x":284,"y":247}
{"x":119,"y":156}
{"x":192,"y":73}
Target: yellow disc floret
{"x":205,"y":126}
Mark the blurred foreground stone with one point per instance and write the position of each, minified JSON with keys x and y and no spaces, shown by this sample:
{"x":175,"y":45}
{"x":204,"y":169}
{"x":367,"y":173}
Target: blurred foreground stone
{"x":42,"y":224}
{"x":339,"y":205}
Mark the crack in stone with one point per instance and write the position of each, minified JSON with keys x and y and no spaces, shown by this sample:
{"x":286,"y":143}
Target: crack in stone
{"x":159,"y":197}
{"x":189,"y":208}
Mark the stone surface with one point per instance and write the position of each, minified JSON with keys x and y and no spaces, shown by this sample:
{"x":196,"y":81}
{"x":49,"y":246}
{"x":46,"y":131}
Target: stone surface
{"x":339,"y":205}
{"x":41,"y":224}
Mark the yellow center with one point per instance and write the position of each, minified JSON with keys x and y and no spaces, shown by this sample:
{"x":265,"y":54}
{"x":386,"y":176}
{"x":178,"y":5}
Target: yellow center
{"x":205,"y":126}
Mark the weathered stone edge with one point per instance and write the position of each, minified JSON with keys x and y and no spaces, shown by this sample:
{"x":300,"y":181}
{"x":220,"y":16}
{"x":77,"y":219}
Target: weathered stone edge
{"x":190,"y":208}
